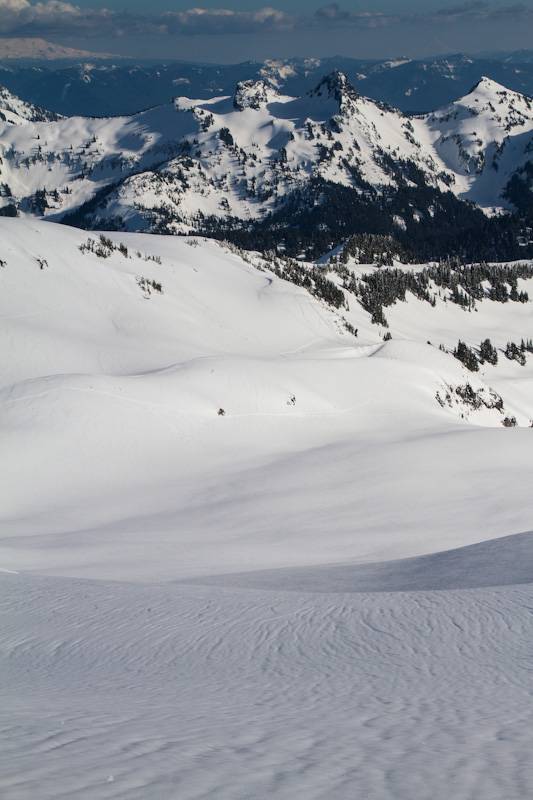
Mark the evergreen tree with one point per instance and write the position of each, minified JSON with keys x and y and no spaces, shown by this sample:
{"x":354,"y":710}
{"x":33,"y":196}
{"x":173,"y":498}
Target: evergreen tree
{"x":514,"y":353}
{"x":466,"y":356}
{"x":378,"y":317}
{"x":487,"y":352}
{"x":499,"y":292}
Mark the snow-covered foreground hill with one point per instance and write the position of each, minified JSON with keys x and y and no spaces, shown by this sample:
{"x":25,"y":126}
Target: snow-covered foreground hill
{"x":322,"y":592}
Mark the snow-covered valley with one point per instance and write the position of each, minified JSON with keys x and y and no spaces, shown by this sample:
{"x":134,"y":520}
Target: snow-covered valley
{"x":246,"y":553}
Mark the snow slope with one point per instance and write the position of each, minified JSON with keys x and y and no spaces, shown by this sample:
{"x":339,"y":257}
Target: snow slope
{"x":115,"y":392}
{"x":323,"y":592}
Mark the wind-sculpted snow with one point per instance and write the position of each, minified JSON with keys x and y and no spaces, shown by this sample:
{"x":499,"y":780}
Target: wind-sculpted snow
{"x":121,"y":690}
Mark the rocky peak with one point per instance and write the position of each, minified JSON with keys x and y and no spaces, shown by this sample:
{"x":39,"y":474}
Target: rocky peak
{"x":489,"y":92}
{"x":336,"y":86}
{"x":251,"y":94}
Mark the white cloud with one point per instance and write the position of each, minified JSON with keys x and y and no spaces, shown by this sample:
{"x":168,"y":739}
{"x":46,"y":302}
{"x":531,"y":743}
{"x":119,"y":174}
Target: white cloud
{"x":22,"y":18}
{"x":223,"y":20}
{"x":19,"y":16}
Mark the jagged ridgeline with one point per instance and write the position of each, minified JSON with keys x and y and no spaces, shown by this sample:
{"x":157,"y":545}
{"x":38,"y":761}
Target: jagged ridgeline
{"x":297,"y":175}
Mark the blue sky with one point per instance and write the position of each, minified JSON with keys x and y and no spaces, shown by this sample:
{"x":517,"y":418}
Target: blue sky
{"x":238,"y":30}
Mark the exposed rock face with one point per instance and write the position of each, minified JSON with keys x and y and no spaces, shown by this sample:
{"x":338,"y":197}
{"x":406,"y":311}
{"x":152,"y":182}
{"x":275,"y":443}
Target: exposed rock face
{"x":250,"y":94}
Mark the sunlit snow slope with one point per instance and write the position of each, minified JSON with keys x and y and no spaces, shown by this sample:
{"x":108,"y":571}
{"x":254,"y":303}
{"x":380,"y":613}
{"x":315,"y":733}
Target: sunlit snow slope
{"x":246,"y":554}
{"x":329,"y":448}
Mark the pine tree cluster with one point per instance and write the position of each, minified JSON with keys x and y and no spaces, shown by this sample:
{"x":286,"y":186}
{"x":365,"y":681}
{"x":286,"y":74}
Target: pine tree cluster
{"x":517,"y":352}
{"x":315,"y":218}
{"x":314,"y":279}
{"x":467,"y":356}
{"x":489,"y":354}
{"x":384,"y":287}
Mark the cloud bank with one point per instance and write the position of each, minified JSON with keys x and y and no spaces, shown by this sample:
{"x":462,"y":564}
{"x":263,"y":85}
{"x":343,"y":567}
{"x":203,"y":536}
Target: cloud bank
{"x":22,"y":18}
{"x":474,"y":11}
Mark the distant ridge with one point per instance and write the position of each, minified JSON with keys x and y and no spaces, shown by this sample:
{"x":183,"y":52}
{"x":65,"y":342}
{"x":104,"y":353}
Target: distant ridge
{"x":39,"y":49}
{"x":129,"y":85}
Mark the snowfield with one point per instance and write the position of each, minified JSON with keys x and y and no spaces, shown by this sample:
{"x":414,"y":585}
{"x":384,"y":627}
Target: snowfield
{"x":135,"y":690}
{"x":246,"y":554}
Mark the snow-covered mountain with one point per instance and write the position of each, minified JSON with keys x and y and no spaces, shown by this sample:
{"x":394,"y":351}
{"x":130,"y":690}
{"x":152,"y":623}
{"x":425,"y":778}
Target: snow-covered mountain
{"x":244,"y":156}
{"x":28,"y":49}
{"x":483,"y":137}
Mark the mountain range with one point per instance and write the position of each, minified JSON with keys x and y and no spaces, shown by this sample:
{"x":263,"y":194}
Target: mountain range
{"x":257,"y":162}
{"x":94,"y":86}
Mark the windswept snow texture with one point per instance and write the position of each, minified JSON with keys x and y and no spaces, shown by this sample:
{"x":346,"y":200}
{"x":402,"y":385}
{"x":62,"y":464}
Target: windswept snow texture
{"x":121,"y":690}
{"x":244,"y":553}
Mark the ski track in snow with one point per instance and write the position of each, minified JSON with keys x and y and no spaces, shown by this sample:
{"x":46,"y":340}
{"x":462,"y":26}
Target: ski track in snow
{"x":184,"y":691}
